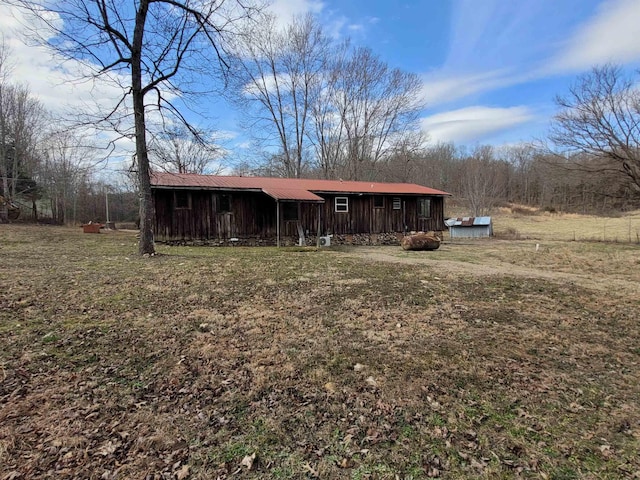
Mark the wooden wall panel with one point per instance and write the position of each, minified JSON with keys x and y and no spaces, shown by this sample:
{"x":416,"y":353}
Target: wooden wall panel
{"x":253,"y":214}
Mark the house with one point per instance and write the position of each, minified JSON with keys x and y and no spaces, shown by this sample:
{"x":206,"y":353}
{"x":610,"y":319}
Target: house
{"x":470,"y":227}
{"x":228,"y":210}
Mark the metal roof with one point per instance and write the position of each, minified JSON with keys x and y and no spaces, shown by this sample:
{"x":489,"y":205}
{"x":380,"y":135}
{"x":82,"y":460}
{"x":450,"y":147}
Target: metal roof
{"x":292,"y":189}
{"x":285,"y":194}
{"x":468,"y":221}
{"x":482,"y":221}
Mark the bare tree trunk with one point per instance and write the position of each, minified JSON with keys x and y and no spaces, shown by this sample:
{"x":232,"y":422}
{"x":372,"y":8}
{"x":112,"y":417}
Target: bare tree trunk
{"x":146,"y":245}
{"x":4,"y":204}
{"x":4,"y":167}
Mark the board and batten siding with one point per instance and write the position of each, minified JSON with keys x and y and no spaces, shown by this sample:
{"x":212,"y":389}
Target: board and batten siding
{"x":188,"y":215}
{"x":249,"y":214}
{"x":364,"y":217}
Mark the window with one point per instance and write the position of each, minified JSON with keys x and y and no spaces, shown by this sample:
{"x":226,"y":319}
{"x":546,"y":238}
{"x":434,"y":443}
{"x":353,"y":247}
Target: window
{"x":397,"y":203}
{"x":182,"y":199}
{"x":224,"y":203}
{"x":424,"y":207}
{"x":290,"y":211}
{"x":342,"y":204}
{"x":378,"y":201}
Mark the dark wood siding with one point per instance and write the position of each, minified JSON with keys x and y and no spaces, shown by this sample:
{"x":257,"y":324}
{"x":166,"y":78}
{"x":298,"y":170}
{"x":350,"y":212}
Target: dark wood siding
{"x":250,"y":213}
{"x":253,"y":214}
{"x":363,"y":217}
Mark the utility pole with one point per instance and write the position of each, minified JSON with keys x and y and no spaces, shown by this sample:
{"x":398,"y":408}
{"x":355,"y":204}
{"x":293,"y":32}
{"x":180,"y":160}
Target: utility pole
{"x":106,"y":199}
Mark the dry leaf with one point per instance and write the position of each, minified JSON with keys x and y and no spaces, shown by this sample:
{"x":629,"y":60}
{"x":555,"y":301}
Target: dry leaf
{"x":107,"y":448}
{"x":309,"y":469}
{"x":575,"y":407}
{"x":606,"y":450}
{"x":183,"y":472}
{"x":248,"y":460}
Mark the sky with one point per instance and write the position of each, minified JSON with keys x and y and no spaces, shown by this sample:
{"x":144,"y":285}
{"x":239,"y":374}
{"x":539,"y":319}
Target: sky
{"x":491,"y":68}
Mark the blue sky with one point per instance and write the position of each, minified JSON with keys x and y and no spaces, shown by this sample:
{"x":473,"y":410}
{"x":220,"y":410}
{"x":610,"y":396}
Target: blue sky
{"x":491,"y":68}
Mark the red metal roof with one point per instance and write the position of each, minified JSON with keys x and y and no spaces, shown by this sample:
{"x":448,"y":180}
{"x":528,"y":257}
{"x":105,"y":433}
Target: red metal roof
{"x":293,"y":189}
{"x":292,"y":194}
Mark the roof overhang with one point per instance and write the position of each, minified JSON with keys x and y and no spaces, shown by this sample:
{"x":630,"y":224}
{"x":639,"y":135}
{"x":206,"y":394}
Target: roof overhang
{"x":208,"y":188}
{"x":278,"y":194}
{"x":292,"y":195}
{"x":388,"y":194}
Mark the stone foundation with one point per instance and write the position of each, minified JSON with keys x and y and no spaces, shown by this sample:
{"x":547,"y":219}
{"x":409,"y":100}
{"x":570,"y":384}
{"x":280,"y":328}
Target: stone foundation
{"x":310,"y":241}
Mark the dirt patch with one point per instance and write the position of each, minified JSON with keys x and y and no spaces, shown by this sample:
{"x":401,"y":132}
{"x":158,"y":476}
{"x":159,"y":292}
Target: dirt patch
{"x":627,"y":284}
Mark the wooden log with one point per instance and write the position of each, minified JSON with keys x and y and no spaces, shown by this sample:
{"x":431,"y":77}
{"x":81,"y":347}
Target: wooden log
{"x":420,"y":241}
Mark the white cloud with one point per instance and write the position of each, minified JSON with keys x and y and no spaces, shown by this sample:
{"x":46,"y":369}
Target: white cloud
{"x":54,"y":83}
{"x":473,"y":123}
{"x":493,"y":34}
{"x":444,"y":87}
{"x":496,"y":44}
{"x":610,"y":36}
{"x":285,"y":10}
{"x":336,"y":26}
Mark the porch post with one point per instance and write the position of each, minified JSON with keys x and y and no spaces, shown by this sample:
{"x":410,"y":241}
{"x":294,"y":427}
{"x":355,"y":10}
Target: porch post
{"x":318,"y":229}
{"x":277,"y":223}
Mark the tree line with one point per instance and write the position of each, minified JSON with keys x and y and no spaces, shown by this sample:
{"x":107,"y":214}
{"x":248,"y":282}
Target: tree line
{"x":314,"y":107}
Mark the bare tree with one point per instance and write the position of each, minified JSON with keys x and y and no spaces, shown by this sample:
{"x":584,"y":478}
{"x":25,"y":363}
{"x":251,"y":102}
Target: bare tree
{"x":600,"y":118}
{"x":4,"y":144}
{"x":155,"y":50}
{"x":278,"y":71}
{"x":67,"y":165}
{"x":339,"y":109}
{"x":439,"y":166}
{"x":378,"y":107}
{"x":327,"y":133}
{"x":177,"y":151}
{"x":483,"y":180}
{"x":21,"y":123}
{"x":404,"y":162}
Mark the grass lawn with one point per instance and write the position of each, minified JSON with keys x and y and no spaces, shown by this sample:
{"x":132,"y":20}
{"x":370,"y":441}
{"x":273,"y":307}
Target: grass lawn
{"x":487,"y":359}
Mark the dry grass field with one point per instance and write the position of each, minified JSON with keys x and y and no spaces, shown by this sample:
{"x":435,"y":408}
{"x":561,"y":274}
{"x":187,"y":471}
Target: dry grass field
{"x":529,"y":223}
{"x":489,"y":359}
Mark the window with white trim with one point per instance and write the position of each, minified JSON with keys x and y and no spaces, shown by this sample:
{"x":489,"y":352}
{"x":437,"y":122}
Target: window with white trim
{"x":342,"y":204}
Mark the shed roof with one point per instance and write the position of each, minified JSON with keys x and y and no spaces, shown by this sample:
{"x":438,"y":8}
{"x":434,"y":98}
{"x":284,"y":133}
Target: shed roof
{"x":295,"y":195}
{"x":468,"y":221}
{"x":287,"y":189}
